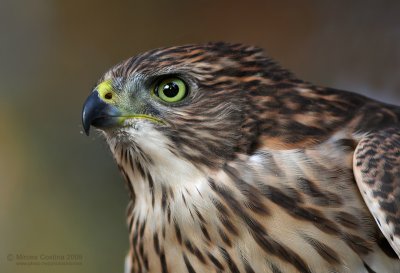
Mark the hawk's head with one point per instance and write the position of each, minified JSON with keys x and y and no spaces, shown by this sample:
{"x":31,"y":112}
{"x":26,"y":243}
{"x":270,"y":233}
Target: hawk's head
{"x":191,"y":101}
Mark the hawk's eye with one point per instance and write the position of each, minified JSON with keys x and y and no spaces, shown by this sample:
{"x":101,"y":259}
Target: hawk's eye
{"x":171,"y":90}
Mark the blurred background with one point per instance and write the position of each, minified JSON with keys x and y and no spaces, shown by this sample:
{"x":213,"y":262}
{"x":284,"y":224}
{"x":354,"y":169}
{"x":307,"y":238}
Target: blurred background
{"x":60,"y":191}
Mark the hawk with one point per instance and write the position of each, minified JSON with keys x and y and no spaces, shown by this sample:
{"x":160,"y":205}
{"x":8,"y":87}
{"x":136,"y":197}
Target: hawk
{"x":235,"y":165}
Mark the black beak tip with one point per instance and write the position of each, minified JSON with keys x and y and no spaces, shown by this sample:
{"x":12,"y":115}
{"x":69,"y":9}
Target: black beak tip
{"x":89,"y":111}
{"x":86,"y":126}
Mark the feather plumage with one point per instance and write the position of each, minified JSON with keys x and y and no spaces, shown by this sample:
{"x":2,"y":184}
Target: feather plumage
{"x":252,"y":171}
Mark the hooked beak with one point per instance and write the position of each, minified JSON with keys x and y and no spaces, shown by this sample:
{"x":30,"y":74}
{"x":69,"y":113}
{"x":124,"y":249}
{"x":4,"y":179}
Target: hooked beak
{"x":96,"y":112}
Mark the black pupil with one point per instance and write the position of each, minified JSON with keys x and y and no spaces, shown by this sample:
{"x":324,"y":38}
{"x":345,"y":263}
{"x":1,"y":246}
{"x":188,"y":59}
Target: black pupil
{"x":171,"y":89}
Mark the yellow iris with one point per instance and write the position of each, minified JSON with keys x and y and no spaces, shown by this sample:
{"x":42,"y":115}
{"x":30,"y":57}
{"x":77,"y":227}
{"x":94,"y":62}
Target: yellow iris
{"x":171,"y":90}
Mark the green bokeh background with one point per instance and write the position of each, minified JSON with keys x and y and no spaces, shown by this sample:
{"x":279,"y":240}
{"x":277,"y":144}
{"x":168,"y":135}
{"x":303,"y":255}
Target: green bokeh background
{"x":60,"y":191}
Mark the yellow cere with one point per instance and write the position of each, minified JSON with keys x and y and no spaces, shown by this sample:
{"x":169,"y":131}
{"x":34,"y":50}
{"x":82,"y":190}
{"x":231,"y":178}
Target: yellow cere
{"x":106,"y":92}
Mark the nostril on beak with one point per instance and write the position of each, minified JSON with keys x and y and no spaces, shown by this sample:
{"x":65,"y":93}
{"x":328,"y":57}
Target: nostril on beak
{"x":108,"y":96}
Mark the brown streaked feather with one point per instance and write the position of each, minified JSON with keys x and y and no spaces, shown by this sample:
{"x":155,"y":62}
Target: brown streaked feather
{"x":377,"y":171}
{"x":252,"y":172}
